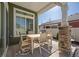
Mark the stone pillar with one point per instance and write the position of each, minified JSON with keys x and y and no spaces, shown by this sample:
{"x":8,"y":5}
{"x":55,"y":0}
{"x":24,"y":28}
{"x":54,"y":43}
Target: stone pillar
{"x":64,"y":41}
{"x":64,"y":34}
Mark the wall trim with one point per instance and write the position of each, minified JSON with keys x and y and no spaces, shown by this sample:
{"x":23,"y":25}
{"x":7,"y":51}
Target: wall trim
{"x":25,"y":16}
{"x":5,"y":52}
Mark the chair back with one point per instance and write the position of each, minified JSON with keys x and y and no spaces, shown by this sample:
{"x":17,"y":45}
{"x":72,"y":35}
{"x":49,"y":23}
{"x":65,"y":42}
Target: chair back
{"x":30,"y":32}
{"x":50,"y":31}
{"x":25,"y":43}
{"x":43,"y":37}
{"x":21,"y":38}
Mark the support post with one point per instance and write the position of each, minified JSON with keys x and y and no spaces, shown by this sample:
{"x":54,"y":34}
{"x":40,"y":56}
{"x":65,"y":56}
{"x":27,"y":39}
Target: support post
{"x":64,"y":34}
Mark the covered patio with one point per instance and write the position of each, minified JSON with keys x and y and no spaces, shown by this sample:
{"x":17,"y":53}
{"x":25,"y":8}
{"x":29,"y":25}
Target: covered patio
{"x":23,"y":19}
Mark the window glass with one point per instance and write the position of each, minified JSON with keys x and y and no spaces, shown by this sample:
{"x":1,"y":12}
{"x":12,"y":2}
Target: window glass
{"x":30,"y":24}
{"x":24,"y":23}
{"x":20,"y":25}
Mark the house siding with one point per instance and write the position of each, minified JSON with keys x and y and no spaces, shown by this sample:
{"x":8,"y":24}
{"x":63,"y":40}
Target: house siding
{"x":74,"y":24}
{"x":12,"y":39}
{"x":2,"y":39}
{"x":11,"y":17}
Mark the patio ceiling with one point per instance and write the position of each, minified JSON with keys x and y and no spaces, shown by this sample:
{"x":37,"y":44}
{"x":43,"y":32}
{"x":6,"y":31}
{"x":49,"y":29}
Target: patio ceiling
{"x":38,"y":7}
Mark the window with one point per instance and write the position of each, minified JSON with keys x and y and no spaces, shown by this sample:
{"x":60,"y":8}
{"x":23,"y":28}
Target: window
{"x":23,"y":22}
{"x":20,"y":25}
{"x":30,"y":24}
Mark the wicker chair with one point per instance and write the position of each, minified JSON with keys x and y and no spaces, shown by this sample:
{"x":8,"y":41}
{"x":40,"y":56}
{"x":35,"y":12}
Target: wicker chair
{"x":50,"y":35}
{"x":25,"y":44}
{"x":43,"y":40}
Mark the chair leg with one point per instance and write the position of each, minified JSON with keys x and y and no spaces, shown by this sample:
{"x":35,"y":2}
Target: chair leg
{"x":48,"y":47}
{"x":51,"y":42}
{"x":40,"y":49}
{"x":39,"y":46}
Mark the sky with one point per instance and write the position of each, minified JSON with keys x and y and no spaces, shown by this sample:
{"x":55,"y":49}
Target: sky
{"x":55,"y":13}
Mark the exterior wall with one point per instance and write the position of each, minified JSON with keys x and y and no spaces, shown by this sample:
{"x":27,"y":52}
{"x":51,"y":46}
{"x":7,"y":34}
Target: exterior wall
{"x":74,"y":23}
{"x":3,"y":29}
{"x":75,"y":34}
{"x":75,"y":29}
{"x":11,"y":6}
{"x":73,"y":17}
{"x":55,"y":31}
{"x":15,"y":40}
{"x":7,"y":25}
{"x":41,"y":28}
{"x":0,"y":20}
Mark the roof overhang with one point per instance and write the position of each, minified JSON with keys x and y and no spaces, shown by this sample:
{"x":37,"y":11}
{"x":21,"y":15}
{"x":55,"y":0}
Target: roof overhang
{"x":38,"y":7}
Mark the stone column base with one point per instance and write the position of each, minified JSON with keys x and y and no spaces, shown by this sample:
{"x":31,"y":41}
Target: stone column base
{"x":64,"y":41}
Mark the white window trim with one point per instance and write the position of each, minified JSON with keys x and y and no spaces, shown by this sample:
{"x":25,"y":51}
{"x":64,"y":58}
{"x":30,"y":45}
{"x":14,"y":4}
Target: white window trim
{"x":24,"y":18}
{"x":16,"y":14}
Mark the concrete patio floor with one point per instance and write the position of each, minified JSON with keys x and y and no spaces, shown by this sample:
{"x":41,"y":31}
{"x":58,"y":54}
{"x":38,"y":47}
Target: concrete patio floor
{"x":13,"y":51}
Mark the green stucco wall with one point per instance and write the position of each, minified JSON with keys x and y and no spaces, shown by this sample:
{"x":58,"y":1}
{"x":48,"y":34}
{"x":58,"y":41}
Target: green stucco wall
{"x":0,"y":20}
{"x":11,"y":6}
{"x":1,"y":28}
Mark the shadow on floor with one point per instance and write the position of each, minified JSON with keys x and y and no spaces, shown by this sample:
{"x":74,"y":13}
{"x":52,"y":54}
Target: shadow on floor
{"x":13,"y":52}
{"x":37,"y":53}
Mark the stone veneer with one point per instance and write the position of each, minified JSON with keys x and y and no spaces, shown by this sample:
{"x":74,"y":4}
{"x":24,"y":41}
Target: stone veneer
{"x":64,"y":41}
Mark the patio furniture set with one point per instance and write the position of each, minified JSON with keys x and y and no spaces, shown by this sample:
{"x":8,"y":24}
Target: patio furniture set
{"x":26,"y":43}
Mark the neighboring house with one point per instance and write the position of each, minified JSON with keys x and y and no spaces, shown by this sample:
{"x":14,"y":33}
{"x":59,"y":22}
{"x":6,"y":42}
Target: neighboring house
{"x":73,"y":21}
